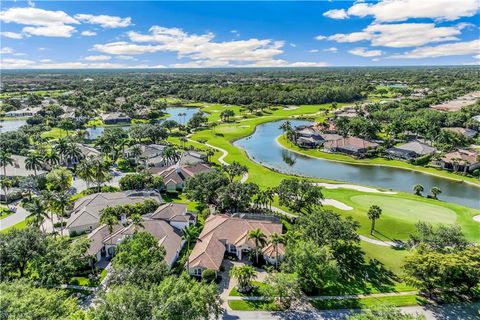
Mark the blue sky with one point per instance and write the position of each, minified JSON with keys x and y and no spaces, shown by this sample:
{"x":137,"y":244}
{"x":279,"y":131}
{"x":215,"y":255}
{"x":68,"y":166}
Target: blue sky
{"x":111,"y":34}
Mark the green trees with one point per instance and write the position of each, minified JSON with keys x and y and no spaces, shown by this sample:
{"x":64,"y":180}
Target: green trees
{"x":99,"y":172}
{"x":139,"y":260}
{"x":38,"y":211}
{"x":435,"y":192}
{"x":59,"y":179}
{"x":260,"y":239}
{"x":141,"y":181}
{"x":283,"y":287}
{"x":169,"y":125}
{"x":226,"y":114}
{"x":384,"y":313}
{"x":22,"y":300}
{"x":418,"y":189}
{"x":374,"y":214}
{"x":51,"y":157}
{"x":440,"y":238}
{"x":5,"y":160}
{"x":300,"y":196}
{"x":276,"y":240}
{"x":315,"y":265}
{"x":190,"y":235}
{"x":234,"y":170}
{"x":244,"y":275}
{"x":34,"y":161}
{"x":173,"y":298}
{"x":171,"y":154}
{"x":236,"y":196}
{"x":204,"y":187}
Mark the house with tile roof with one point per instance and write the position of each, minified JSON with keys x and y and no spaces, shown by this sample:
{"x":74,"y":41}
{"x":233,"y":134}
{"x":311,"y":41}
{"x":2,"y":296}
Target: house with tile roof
{"x":175,"y":176}
{"x":85,"y":216}
{"x":115,"y":117}
{"x":467,"y":133}
{"x":223,"y":234}
{"x":19,"y":169}
{"x":411,"y":150}
{"x":461,"y":160}
{"x":351,"y":145}
{"x":175,"y":214}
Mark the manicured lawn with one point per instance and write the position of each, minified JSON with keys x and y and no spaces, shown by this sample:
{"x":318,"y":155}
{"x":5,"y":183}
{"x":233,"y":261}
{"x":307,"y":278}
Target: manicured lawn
{"x":4,"y":212}
{"x":374,"y":161}
{"x":391,"y":258}
{"x":398,"y":301}
{"x":55,"y":133}
{"x":19,"y":226}
{"x":80,"y":281}
{"x":260,"y":305}
{"x":366,"y":288}
{"x":259,"y":290}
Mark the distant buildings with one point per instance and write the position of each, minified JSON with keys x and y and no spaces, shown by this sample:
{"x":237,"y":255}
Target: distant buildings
{"x":467,"y":133}
{"x":411,"y":150}
{"x":151,"y":153}
{"x":25,"y":112}
{"x":115,"y":117}
{"x":351,"y":145}
{"x":175,"y":176}
{"x":461,"y":160}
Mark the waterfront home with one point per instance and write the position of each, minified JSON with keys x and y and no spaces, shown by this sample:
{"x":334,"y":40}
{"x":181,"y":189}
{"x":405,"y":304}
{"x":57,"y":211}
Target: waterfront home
{"x":175,"y":176}
{"x":467,"y":133}
{"x":152,"y":154}
{"x":18,"y":168}
{"x":25,"y":112}
{"x":461,"y":160}
{"x":115,"y":117}
{"x":103,"y":243}
{"x":175,"y":214}
{"x":224,"y":234}
{"x":86,"y":212}
{"x":317,"y":140}
{"x":411,"y":150}
{"x":351,"y":145}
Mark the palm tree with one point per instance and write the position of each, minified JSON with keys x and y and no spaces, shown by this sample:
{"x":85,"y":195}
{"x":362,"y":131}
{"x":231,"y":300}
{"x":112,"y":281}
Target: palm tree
{"x":5,"y":160}
{"x":61,"y":203}
{"x":190,"y":234}
{"x":48,"y":198}
{"x":137,"y":222}
{"x":73,"y":154}
{"x":34,"y":161}
{"x":183,"y":140}
{"x":136,"y":152}
{"x":6,"y":184}
{"x":244,"y":274}
{"x":418,"y":189}
{"x":374,"y":213}
{"x":109,"y":218}
{"x":435,"y":192}
{"x":84,"y":171}
{"x":38,"y":211}
{"x":270,"y":195}
{"x":100,"y":172}
{"x":51,"y":157}
{"x":259,"y":238}
{"x":275,"y":240}
{"x":61,"y":148}
{"x":171,"y":154}
{"x":286,"y":126}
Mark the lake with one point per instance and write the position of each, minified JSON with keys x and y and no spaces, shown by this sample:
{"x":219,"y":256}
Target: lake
{"x":262,"y":147}
{"x":11,"y":125}
{"x":187,"y":114}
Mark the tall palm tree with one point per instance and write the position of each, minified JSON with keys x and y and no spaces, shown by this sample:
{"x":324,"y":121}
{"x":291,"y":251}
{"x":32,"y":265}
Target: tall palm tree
{"x":374,"y":213}
{"x":136,"y":152}
{"x":418,"y":189}
{"x":84,"y":171}
{"x":48,"y":198}
{"x":109,"y":218}
{"x":34,"y":161}
{"x":61,"y":148}
{"x":5,"y":160}
{"x":62,"y":203}
{"x":100,"y":172}
{"x":270,"y":196}
{"x":73,"y":154}
{"x":38,"y":211}
{"x":275,"y":240}
{"x":435,"y":192}
{"x":259,"y":238}
{"x":51,"y":157}
{"x":171,"y":154}
{"x":6,"y":184}
{"x":286,"y":126}
{"x":190,"y":234}
{"x":137,"y":222}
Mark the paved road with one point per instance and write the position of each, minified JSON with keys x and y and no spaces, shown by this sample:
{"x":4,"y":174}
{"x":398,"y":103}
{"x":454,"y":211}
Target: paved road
{"x":20,"y":215}
{"x":445,"y":312}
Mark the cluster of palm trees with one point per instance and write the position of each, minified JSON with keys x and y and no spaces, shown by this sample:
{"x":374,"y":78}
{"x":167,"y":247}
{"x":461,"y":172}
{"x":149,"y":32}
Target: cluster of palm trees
{"x":418,"y":189}
{"x":287,"y":129}
{"x":260,"y":240}
{"x":68,"y":152}
{"x":264,"y":198}
{"x":93,"y":170}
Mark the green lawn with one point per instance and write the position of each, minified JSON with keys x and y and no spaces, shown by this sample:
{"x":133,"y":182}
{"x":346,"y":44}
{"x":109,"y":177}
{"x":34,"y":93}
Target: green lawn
{"x":398,"y":301}
{"x":4,"y":212}
{"x":19,"y":226}
{"x":260,"y":305}
{"x":259,"y":290}
{"x":55,"y":133}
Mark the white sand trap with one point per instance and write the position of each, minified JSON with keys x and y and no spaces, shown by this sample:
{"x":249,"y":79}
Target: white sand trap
{"x":336,"y":204}
{"x":291,"y":108}
{"x":477,"y":218}
{"x":246,"y":126}
{"x":353,"y":187}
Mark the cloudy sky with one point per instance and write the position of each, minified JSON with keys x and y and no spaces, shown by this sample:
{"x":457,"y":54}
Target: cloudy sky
{"x":155,"y":34}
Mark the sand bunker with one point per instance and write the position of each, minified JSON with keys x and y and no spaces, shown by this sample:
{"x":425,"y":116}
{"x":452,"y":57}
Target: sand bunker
{"x":477,"y":218}
{"x":336,"y":204}
{"x":353,"y":187}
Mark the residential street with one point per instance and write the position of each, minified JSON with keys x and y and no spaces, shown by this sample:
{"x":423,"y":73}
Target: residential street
{"x":20,"y":215}
{"x":445,"y":312}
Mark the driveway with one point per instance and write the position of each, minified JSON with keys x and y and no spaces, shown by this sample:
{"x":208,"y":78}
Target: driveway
{"x":20,"y":215}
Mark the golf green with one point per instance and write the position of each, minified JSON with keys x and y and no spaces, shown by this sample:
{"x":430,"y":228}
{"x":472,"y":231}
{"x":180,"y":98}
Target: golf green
{"x":407,"y":210}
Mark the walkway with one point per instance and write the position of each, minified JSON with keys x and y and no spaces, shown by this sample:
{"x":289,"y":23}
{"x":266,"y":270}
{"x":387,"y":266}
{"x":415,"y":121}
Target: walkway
{"x":20,"y":215}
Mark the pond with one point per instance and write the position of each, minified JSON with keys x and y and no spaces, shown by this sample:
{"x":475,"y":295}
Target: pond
{"x":262,"y":147}
{"x":179,"y":114}
{"x":11,"y":125}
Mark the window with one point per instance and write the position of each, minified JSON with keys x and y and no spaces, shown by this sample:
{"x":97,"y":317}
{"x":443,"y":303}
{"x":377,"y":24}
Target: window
{"x":233,"y":249}
{"x":197,"y":272}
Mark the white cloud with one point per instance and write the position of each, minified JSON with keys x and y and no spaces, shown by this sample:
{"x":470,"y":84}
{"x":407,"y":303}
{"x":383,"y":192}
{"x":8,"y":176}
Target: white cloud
{"x":336,"y":14}
{"x":97,"y":58}
{"x":314,"y":51}
{"x":104,"y":20}
{"x":10,"y":63}
{"x":88,"y":33}
{"x":63,"y":31}
{"x":36,"y":17}
{"x":402,"y":35}
{"x":400,"y":10}
{"x":363,"y":52}
{"x":320,"y":37}
{"x":331,"y":49}
{"x":45,"y":60}
{"x":11,"y":35}
{"x":444,"y":50}
{"x":6,"y":50}
{"x":293,"y":45}
{"x":202,"y":49}
{"x":477,"y":56}
{"x":40,"y":22}
{"x":375,"y":59}
{"x":125,"y":58}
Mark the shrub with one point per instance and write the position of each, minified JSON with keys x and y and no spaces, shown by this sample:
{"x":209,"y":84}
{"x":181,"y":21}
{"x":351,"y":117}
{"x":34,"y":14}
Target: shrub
{"x":209,"y":275}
